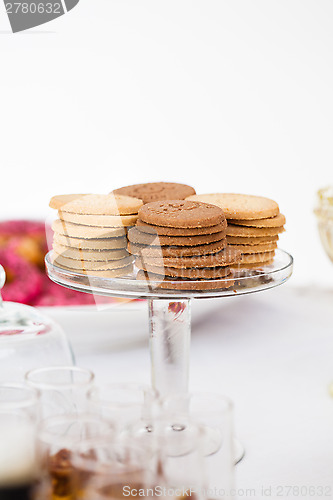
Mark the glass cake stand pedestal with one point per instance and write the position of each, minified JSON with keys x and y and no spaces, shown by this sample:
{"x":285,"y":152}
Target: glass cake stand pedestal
{"x":170,"y":310}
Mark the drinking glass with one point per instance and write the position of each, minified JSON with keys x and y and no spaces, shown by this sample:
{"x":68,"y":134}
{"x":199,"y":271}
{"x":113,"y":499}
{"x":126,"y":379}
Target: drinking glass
{"x":214,"y":413}
{"x":63,"y":389}
{"x":18,"y":457}
{"x":57,"y":437}
{"x":124,"y":404}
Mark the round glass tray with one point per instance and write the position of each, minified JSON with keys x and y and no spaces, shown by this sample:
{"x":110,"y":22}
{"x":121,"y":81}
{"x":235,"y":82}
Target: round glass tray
{"x":245,"y":281}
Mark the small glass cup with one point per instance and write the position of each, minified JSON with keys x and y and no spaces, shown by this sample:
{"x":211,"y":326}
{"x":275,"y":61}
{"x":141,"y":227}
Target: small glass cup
{"x":57,"y":438}
{"x":214,"y":413}
{"x":124,"y":404}
{"x":106,"y":469}
{"x":18,"y":456}
{"x":63,"y":389}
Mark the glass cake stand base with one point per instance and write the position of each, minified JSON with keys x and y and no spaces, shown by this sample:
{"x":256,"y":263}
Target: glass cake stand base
{"x":170,"y":310}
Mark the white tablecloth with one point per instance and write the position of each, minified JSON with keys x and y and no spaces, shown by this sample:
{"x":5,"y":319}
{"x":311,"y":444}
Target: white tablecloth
{"x":272,"y":354}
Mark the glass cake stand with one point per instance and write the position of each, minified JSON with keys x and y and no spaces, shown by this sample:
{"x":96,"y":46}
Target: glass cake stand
{"x":170,"y":310}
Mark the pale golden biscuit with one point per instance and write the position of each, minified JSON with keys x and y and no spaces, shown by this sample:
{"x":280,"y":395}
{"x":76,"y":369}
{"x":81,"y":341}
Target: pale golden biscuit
{"x":86,"y":232}
{"x":103,"y":204}
{"x":233,"y":230}
{"x":92,"y":255}
{"x":257,"y":257}
{"x":240,"y":206}
{"x":159,"y":281}
{"x":176,"y":251}
{"x":105,"y":221}
{"x":176,"y":231}
{"x":141,"y":238}
{"x":91,"y":244}
{"x":60,"y":200}
{"x":109,"y":273}
{"x":88,"y":265}
{"x":265,"y":247}
{"x":253,"y":265}
{"x":223,"y":258}
{"x":277,"y":221}
{"x":193,"y":273}
{"x":247,"y":240}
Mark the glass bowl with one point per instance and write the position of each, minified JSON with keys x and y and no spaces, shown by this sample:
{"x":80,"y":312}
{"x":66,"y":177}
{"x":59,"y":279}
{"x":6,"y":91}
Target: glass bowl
{"x":324,"y":213}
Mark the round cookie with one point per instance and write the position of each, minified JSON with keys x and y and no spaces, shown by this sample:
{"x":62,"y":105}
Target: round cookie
{"x":156,"y":191}
{"x":159,"y":281}
{"x":103,"y":204}
{"x":240,"y":206}
{"x":91,"y":255}
{"x":91,"y":244}
{"x":109,"y":273}
{"x":247,"y":240}
{"x":141,"y":238}
{"x":181,"y":213}
{"x":193,"y":273}
{"x":223,"y":258}
{"x":60,"y":200}
{"x":233,"y":230}
{"x":248,"y":249}
{"x":277,"y":221}
{"x":147,"y":251}
{"x":87,"y":232}
{"x":253,"y":265}
{"x":105,"y":221}
{"x":90,"y":265}
{"x":174,"y":231}
{"x":257,"y":257}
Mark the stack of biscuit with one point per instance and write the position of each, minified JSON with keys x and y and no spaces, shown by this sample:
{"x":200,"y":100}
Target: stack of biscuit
{"x":183,"y":242}
{"x":254,"y":225}
{"x":90,"y":233}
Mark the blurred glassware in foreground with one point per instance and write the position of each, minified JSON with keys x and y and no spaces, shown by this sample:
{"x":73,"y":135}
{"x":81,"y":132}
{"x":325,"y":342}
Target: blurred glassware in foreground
{"x":28,"y":339}
{"x":18,"y":455}
{"x":63,"y":389}
{"x":324,"y":213}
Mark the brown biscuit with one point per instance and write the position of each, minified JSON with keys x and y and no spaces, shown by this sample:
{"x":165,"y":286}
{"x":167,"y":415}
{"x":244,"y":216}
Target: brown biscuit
{"x":247,"y":240}
{"x":60,"y":200}
{"x":193,"y":273}
{"x":157,"y":191}
{"x":179,"y":213}
{"x":100,"y":221}
{"x":240,"y":206}
{"x":176,"y":251}
{"x":71,"y":230}
{"x":233,"y":230}
{"x":87,"y":265}
{"x":257,"y":257}
{"x":223,"y":258}
{"x":141,"y":238}
{"x":174,"y":231}
{"x":91,"y":244}
{"x":248,"y":249}
{"x":92,"y":255}
{"x":102,"y":204}
{"x":160,"y":281}
{"x":277,"y":221}
{"x":253,"y":265}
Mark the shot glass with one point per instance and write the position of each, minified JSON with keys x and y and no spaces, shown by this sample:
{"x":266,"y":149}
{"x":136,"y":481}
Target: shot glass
{"x":63,"y":389}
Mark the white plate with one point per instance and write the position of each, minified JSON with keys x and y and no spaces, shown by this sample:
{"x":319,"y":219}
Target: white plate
{"x":119,"y":326}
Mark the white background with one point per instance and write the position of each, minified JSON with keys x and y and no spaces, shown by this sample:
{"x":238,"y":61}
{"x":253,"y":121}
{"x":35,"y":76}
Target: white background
{"x":223,"y":95}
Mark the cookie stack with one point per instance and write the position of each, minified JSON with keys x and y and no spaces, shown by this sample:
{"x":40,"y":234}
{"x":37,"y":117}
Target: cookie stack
{"x":254,"y":225}
{"x":90,"y":234}
{"x":157,"y":191}
{"x":183,"y":242}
